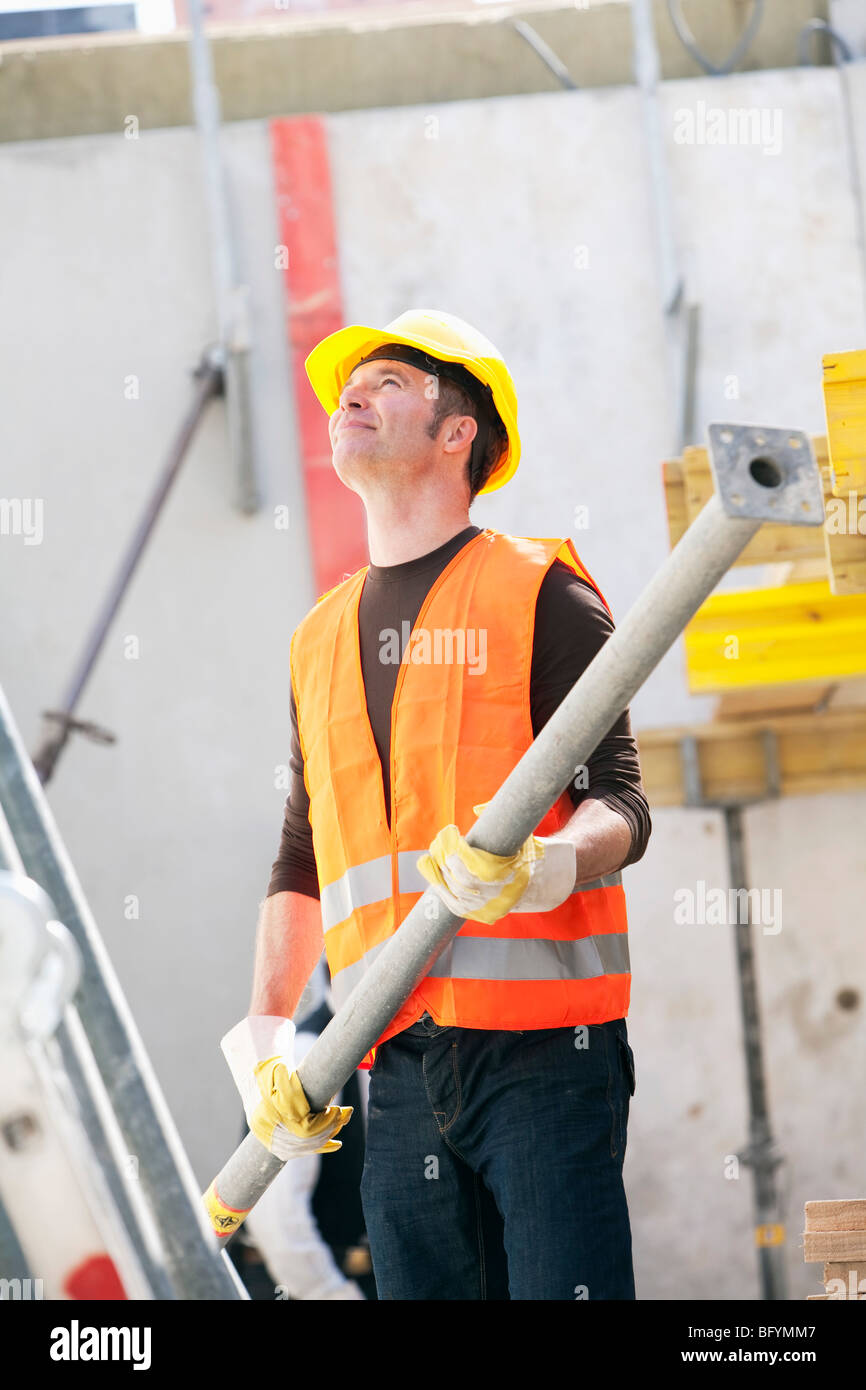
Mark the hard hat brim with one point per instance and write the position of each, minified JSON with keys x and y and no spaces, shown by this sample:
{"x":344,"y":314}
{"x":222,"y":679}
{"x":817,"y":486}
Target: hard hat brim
{"x":331,"y":361}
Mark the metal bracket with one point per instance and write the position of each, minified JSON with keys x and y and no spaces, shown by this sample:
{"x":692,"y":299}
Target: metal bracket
{"x":68,"y":724}
{"x":693,"y":784}
{"x":766,"y":474}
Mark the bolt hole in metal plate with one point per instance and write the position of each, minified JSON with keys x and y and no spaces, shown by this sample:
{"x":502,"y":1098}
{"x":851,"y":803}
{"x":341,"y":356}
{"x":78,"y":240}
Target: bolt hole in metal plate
{"x":766,"y":474}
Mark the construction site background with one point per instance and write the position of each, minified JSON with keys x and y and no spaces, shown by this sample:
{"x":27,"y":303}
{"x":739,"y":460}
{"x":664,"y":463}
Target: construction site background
{"x":527,"y":212}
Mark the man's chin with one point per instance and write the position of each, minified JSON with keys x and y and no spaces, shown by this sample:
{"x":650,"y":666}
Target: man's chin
{"x":350,"y":470}
{"x":353,"y":447}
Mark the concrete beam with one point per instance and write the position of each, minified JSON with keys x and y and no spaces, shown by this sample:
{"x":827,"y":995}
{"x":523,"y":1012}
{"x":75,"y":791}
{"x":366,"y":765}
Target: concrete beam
{"x":84,"y":86}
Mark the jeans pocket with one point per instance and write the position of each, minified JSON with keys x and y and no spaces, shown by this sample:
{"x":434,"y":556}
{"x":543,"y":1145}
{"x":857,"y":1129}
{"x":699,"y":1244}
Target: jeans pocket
{"x":620,"y":1089}
{"x":627,"y":1057}
{"x":376,"y":1060}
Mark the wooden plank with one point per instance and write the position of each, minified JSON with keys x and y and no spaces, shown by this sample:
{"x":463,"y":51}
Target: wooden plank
{"x":849,"y":1276}
{"x":763,"y":700}
{"x":844,"y":388}
{"x":844,"y":533}
{"x":849,"y":1214}
{"x":812,"y":570}
{"x":839,"y":546}
{"x":849,"y":695}
{"x":675,"y":499}
{"x":689,"y":485}
{"x":815,"y":753}
{"x":834,"y":1245}
{"x":697,"y":480}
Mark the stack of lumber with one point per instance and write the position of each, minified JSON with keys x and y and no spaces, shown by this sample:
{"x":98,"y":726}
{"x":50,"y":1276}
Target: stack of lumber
{"x":835,"y":1234}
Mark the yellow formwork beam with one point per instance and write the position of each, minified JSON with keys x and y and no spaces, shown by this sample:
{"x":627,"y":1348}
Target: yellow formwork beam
{"x":795,"y":632}
{"x":845,"y":409}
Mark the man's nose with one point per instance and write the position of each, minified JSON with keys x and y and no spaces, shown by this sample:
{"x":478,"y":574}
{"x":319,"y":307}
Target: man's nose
{"x":352,"y":394}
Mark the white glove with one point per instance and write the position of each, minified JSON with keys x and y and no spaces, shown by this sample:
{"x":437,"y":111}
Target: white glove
{"x":260,"y":1054}
{"x":483,"y":887}
{"x":551,"y":878}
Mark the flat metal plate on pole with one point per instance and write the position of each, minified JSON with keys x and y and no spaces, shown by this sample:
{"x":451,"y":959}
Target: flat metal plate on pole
{"x":746,"y":462}
{"x":760,"y":475}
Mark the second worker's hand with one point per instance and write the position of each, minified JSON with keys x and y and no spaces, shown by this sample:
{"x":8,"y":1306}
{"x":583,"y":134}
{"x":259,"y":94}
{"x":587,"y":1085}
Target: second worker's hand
{"x":260,"y":1054}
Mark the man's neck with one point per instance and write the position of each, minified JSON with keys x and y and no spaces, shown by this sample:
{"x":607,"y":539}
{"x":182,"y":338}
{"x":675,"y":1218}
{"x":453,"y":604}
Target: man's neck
{"x":394,"y":542}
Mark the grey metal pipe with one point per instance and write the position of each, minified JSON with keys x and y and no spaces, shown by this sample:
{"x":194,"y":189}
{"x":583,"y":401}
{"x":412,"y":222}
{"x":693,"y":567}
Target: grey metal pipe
{"x":195,"y":1267}
{"x":762,"y":1154}
{"x":10,"y":859}
{"x":233,"y":297}
{"x":737,"y":53}
{"x":645,"y":61}
{"x":760,"y":475}
{"x":843,"y":58}
{"x":13,"y":1261}
{"x":59,"y":722}
{"x":547,"y":55}
{"x":681,"y":319}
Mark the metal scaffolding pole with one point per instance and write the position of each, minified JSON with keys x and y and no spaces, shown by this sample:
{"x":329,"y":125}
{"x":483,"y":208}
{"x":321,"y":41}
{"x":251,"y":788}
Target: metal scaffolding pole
{"x":209,"y":377}
{"x":233,"y":297}
{"x":197,"y":1270}
{"x":92,"y":1108}
{"x":51,"y":1144}
{"x":681,"y":319}
{"x":762,"y":1155}
{"x":760,"y":475}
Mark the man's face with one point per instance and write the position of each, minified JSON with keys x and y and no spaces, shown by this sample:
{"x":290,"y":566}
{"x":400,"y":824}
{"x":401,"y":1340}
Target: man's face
{"x":380,"y":430}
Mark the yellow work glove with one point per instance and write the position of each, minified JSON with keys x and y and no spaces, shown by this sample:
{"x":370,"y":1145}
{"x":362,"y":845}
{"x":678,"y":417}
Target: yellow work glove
{"x":260,"y":1054}
{"x":483,"y":887}
{"x":284,"y":1105}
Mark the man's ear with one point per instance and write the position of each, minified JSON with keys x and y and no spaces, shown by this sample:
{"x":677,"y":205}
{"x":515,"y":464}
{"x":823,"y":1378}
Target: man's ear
{"x":460,"y":430}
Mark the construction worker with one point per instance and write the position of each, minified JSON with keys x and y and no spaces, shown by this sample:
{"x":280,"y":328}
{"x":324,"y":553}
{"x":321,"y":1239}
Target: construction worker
{"x":499,"y":1093}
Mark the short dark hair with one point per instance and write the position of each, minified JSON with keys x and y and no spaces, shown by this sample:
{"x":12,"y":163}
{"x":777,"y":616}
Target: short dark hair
{"x":453,"y":399}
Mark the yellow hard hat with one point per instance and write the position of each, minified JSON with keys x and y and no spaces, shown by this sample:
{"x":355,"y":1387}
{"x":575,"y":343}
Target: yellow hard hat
{"x":443,"y":336}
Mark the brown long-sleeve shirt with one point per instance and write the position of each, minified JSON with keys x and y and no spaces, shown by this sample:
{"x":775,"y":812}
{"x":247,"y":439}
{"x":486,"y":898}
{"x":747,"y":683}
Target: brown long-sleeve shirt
{"x":571,"y":624}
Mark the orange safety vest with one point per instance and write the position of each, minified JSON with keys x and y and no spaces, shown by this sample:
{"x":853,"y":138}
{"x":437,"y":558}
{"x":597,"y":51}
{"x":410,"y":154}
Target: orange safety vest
{"x":459,"y":724}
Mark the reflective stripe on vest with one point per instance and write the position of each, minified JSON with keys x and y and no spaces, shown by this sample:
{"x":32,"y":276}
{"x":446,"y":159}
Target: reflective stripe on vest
{"x":510,"y":958}
{"x":456,"y":734}
{"x":370,"y":883}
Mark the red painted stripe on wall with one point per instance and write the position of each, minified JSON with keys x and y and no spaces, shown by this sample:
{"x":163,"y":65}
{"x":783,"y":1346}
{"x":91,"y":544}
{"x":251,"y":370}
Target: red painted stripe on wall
{"x":305,"y":220}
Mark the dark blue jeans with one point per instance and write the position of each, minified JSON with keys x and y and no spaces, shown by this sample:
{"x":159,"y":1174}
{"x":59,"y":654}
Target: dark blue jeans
{"x":493,"y":1164}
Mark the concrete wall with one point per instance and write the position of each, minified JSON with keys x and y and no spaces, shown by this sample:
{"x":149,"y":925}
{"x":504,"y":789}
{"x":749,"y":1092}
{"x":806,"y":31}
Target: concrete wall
{"x":105,"y":258}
